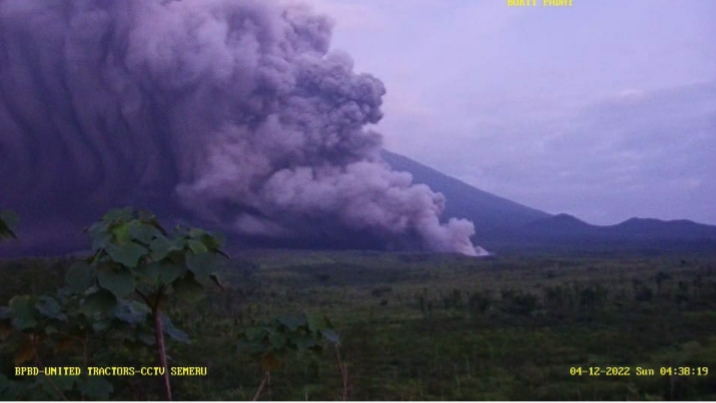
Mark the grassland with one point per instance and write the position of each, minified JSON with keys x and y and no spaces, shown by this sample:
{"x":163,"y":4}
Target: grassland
{"x":442,"y":327}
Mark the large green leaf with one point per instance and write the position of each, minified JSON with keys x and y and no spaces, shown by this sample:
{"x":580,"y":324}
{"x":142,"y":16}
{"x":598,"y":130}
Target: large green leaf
{"x":101,"y":237}
{"x":161,"y":246}
{"x":23,"y":312}
{"x":162,"y":273}
{"x":9,"y":217}
{"x":101,"y":325}
{"x":128,"y":254}
{"x":150,"y":272}
{"x":79,"y":277}
{"x":142,"y":232}
{"x":8,"y":220}
{"x":97,"y":228}
{"x":197,"y":246}
{"x":303,"y":342}
{"x":170,"y":272}
{"x":213,"y":241}
{"x":315,"y":321}
{"x":292,"y":322}
{"x":173,"y":332}
{"x":99,"y":301}
{"x":49,"y":307}
{"x":331,"y":336}
{"x":201,"y":264}
{"x":188,"y":289}
{"x":140,"y":307}
{"x":121,"y":233}
{"x":118,"y":281}
{"x":5,"y":231}
{"x":130,"y":312}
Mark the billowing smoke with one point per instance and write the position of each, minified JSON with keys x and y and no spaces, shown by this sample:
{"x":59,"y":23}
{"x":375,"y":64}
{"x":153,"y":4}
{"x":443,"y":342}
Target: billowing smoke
{"x":233,"y":110}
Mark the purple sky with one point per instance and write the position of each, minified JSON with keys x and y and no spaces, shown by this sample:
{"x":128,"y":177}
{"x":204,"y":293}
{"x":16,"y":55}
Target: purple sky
{"x":605,"y":110}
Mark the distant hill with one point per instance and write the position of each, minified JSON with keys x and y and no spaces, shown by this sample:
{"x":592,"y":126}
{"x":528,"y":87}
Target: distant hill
{"x":502,"y":224}
{"x":563,"y":231}
{"x":558,"y":224}
{"x":653,"y":228}
{"x":633,"y":229}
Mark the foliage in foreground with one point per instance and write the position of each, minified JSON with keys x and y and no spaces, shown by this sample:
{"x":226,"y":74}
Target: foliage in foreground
{"x":118,"y":298}
{"x":431,"y":327}
{"x":117,"y":295}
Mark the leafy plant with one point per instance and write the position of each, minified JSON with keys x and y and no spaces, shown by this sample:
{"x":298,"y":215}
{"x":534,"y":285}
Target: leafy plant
{"x":134,"y":255}
{"x":272,"y":343}
{"x":119,"y":293}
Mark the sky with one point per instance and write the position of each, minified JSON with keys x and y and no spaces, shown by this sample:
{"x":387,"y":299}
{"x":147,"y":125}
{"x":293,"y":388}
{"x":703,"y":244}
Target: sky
{"x":605,"y":110}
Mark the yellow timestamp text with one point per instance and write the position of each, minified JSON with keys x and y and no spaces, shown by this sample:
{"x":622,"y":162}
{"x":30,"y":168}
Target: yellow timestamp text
{"x":617,"y":371}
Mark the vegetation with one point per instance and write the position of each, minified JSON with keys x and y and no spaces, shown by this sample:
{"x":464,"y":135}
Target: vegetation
{"x":8,"y":219}
{"x":411,"y":325}
{"x":113,"y":305}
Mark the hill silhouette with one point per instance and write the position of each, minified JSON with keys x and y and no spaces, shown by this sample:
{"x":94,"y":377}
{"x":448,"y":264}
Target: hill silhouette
{"x":502,"y":224}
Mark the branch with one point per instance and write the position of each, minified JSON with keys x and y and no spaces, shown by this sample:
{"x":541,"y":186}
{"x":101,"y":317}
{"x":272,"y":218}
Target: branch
{"x":344,"y":373}
{"x":261,"y":386}
{"x":144,"y":297}
{"x":160,"y":292}
{"x":159,"y":334}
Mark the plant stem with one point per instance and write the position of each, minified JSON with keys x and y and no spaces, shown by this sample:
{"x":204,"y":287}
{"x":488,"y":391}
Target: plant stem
{"x":261,"y":386}
{"x":159,"y":334}
{"x":344,"y":373}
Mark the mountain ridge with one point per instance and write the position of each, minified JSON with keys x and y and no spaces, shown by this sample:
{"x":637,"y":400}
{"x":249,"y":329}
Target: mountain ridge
{"x":502,"y":224}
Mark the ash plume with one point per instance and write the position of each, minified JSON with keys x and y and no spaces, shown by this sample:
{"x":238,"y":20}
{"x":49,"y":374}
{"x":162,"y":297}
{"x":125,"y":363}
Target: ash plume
{"x":235,"y":111}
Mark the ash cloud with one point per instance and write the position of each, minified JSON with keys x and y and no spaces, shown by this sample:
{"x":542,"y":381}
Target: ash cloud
{"x":235,"y":111}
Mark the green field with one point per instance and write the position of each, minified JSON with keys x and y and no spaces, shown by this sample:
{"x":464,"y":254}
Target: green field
{"x":436,"y":327}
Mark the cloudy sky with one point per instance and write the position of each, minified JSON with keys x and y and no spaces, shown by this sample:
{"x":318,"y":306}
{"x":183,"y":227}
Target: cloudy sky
{"x":605,"y":110}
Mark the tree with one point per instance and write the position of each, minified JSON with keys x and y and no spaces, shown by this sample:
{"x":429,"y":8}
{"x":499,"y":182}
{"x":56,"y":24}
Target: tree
{"x":119,"y":292}
{"x":134,"y":255}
